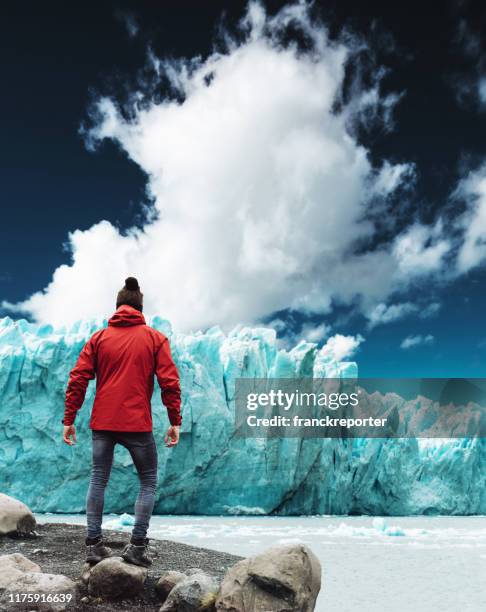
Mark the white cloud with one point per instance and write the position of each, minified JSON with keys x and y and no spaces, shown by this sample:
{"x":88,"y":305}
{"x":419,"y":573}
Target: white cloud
{"x":412,"y":341}
{"x":393,"y":176}
{"x":430,"y":310}
{"x":482,"y":90}
{"x":341,"y":347}
{"x":314,"y":333}
{"x":384,"y":313}
{"x":289,"y":337}
{"x":470,"y":84}
{"x":472,"y":190}
{"x":420,"y":250}
{"x":260,"y":191}
{"x":278,"y":325}
{"x":259,"y":186}
{"x":129,"y":22}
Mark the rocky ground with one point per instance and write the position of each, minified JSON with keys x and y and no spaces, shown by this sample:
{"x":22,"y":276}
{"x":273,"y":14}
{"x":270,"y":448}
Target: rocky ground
{"x":60,"y":549}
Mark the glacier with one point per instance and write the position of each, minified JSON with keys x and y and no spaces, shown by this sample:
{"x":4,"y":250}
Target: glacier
{"x":211,"y":471}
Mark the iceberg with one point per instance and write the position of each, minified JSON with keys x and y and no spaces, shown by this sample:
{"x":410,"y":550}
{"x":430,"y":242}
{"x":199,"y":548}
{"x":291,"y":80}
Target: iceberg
{"x":123,"y":522}
{"x":380,"y":524}
{"x":212,"y":471}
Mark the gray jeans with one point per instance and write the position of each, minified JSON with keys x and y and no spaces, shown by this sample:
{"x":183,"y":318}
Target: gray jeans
{"x":142,"y":448}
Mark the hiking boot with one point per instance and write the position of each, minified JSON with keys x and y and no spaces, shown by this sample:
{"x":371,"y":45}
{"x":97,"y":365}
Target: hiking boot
{"x":136,"y":553}
{"x":96,"y":551}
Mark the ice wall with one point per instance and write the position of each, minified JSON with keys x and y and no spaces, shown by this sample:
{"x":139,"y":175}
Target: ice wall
{"x":211,"y":472}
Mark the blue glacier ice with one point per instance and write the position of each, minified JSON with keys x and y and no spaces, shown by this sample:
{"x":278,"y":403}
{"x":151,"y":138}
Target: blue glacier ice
{"x":212,"y":471}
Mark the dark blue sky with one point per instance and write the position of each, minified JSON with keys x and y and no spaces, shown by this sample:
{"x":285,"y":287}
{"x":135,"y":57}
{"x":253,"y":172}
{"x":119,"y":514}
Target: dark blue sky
{"x":57,"y":57}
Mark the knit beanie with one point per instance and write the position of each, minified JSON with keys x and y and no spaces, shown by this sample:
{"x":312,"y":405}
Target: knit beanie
{"x":130,"y":294}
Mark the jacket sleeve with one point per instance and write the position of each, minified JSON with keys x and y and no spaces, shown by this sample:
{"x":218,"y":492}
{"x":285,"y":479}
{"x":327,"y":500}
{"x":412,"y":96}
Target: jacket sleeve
{"x":81,"y":374}
{"x":168,"y":379}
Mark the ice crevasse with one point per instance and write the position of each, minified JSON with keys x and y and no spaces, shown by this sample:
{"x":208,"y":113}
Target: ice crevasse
{"x":211,"y":471}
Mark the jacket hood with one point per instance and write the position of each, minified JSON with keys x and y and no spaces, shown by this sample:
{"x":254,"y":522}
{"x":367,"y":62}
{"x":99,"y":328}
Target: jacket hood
{"x":126,"y":315}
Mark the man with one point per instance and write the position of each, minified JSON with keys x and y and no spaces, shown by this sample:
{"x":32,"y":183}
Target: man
{"x":124,"y":357}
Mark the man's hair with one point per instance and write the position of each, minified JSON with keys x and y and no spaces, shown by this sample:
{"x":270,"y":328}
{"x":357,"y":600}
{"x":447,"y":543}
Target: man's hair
{"x":130,"y":294}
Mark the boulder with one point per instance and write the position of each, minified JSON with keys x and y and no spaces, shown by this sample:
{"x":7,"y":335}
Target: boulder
{"x":281,"y":579}
{"x":46,"y":592}
{"x":113,"y":577}
{"x":15,"y":516}
{"x":85,"y":573}
{"x":167,"y":582}
{"x":13,"y":567}
{"x":194,"y":593}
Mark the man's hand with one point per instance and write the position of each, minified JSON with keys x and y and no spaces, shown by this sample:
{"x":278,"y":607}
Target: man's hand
{"x":69,"y":431}
{"x":172,"y":435}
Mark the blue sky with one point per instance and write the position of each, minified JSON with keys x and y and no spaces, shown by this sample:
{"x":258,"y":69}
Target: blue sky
{"x":428,"y":118}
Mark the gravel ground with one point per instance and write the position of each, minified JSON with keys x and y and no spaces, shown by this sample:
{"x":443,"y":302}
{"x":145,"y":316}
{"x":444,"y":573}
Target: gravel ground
{"x":60,"y":549}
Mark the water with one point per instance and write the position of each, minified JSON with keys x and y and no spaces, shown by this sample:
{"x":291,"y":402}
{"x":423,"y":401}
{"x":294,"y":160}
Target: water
{"x":438,"y":564}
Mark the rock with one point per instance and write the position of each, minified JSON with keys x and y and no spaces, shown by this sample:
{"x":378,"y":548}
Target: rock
{"x":49,"y":593}
{"x":13,"y":567}
{"x":193,"y":570}
{"x":113,"y":577}
{"x":193,"y":593}
{"x":167,"y":582}
{"x":15,"y":516}
{"x":281,"y":579}
{"x":85,"y":573}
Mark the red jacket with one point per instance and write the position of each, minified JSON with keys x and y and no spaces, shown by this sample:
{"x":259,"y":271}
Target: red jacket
{"x":124,"y":357}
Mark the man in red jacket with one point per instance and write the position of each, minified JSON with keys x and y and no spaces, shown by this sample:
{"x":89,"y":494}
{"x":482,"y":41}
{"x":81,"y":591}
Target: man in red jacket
{"x":124,"y":358}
